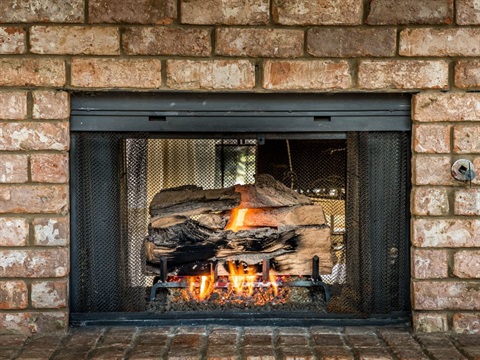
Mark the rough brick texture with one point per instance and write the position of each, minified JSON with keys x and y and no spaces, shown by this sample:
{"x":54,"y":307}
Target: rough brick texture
{"x":228,"y":12}
{"x":466,"y":139}
{"x":385,"y":12}
{"x":430,"y":264}
{"x":51,"y":231}
{"x":13,"y":295}
{"x":167,"y":41}
{"x":126,"y":11}
{"x":216,"y":75}
{"x":32,"y":72}
{"x":403,"y":74}
{"x":30,"y":323}
{"x":452,"y":295}
{"x":430,"y":201}
{"x":49,"y":294}
{"x":468,"y":12}
{"x":317,"y":12}
{"x":466,"y":264}
{"x":74,"y":40}
{"x":467,"y":323}
{"x":446,"y":107}
{"x":49,"y":168}
{"x":307,"y":75}
{"x":446,"y":233}
{"x":429,"y":322}
{"x":12,"y":40}
{"x":51,"y":105}
{"x":13,"y":168}
{"x":467,"y":202}
{"x":431,"y":138}
{"x":432,"y":170}
{"x":34,"y":263}
{"x":115,"y":73}
{"x":467,"y":74}
{"x":259,"y":42}
{"x":13,"y":105}
{"x":33,"y":199}
{"x":67,"y":11}
{"x":351,"y":42}
{"x":14,"y":232}
{"x":34,"y":136}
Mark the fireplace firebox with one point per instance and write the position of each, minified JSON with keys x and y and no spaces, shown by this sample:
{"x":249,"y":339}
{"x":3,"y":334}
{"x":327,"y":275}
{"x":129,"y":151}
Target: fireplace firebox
{"x":228,"y":208}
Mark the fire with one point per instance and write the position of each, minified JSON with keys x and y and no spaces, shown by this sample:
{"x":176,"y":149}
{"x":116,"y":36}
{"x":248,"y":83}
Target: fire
{"x":236,"y":219}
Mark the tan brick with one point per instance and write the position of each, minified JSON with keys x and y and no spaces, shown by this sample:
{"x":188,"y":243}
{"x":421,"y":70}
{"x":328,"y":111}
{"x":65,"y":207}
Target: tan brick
{"x":51,"y":231}
{"x":440,"y":42}
{"x":385,"y":12}
{"x":32,"y":72}
{"x":446,"y":233}
{"x":12,"y":40}
{"x":403,"y":74}
{"x":167,"y":41}
{"x":49,"y":294}
{"x":115,"y":73}
{"x":307,"y":75}
{"x":466,"y":264}
{"x":13,"y":232}
{"x":467,"y":74}
{"x":431,"y":138}
{"x":34,"y":199}
{"x":30,"y":11}
{"x":86,"y":40}
{"x":13,"y":168}
{"x":259,"y":42}
{"x":137,"y":12}
{"x":238,"y":12}
{"x":430,"y":322}
{"x":34,"y":136}
{"x":34,"y":263}
{"x":451,"y":295}
{"x":51,"y":105}
{"x":466,"y":139}
{"x":429,"y":264}
{"x":13,"y":295}
{"x":476,"y":166}
{"x":210,"y":74}
{"x":317,"y":12}
{"x":13,"y":105}
{"x":466,"y":323}
{"x":49,"y":168}
{"x":446,"y":107}
{"x":468,"y":12}
{"x":430,"y":201}
{"x":30,"y":323}
{"x":467,"y":202}
{"x":432,"y":170}
{"x":352,"y":42}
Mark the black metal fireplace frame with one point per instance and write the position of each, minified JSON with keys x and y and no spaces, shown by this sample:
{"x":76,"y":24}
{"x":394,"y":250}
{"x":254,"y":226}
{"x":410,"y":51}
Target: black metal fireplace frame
{"x":263,"y":116}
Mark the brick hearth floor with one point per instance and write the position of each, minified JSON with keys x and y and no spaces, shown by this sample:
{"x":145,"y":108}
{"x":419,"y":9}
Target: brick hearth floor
{"x":261,"y":343}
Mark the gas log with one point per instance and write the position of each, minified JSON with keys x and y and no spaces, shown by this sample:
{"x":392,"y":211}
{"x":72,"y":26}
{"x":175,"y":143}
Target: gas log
{"x":192,"y":228}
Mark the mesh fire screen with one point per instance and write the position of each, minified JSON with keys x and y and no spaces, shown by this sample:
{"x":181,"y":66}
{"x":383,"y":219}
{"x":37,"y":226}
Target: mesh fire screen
{"x":361,"y":183}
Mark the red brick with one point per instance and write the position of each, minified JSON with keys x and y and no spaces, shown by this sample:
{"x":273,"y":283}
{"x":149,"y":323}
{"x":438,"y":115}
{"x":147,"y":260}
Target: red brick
{"x":403,"y":74}
{"x":30,"y":323}
{"x":476,"y":165}
{"x":468,"y":12}
{"x":385,"y":12}
{"x":51,"y":231}
{"x":13,"y":105}
{"x":432,"y":170}
{"x":440,"y":42}
{"x":86,"y":40}
{"x":259,"y":353}
{"x":467,"y":323}
{"x":42,"y":344}
{"x":446,"y":107}
{"x":138,"y":12}
{"x":116,"y":73}
{"x":465,"y":139}
{"x":431,"y":138}
{"x":307,"y":75}
{"x":12,"y":40}
{"x":467,"y":202}
{"x":49,"y":168}
{"x":30,"y":11}
{"x":430,"y":201}
{"x":34,"y":136}
{"x":334,"y":353}
{"x":429,"y":264}
{"x":452,"y":295}
{"x":446,"y":233}
{"x":430,"y":322}
{"x":51,"y":105}
{"x":13,"y":168}
{"x":14,"y":232}
{"x":49,"y":294}
{"x":317,"y":12}
{"x":167,"y":41}
{"x":467,"y":74}
{"x":373,"y":354}
{"x":34,"y":263}
{"x":209,"y":12}
{"x":32,"y":72}
{"x":13,"y":295}
{"x":466,"y":264}
{"x":210,"y":74}
{"x":222,"y":352}
{"x":34,"y":199}
{"x":352,"y":42}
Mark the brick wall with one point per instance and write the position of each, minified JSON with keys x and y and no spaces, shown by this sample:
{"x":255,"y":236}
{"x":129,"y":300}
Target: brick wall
{"x":51,"y":47}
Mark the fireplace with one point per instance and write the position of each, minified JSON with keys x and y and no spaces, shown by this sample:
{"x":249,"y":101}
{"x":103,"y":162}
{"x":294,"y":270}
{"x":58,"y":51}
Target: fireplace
{"x":321,"y":182}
